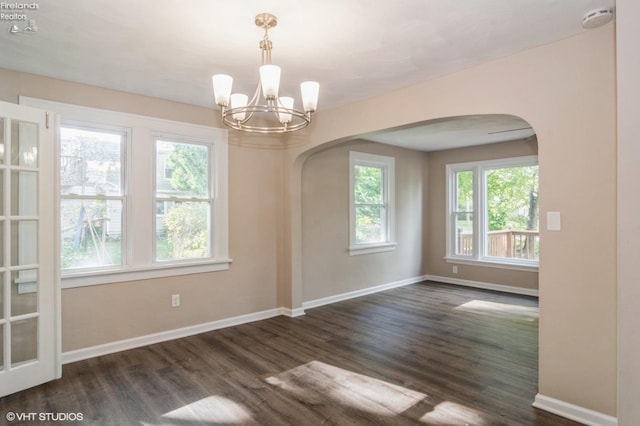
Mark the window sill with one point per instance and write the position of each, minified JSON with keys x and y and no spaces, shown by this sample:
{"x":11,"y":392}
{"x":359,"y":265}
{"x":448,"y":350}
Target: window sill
{"x":495,"y":263}
{"x":135,"y":273}
{"x":371,"y":248}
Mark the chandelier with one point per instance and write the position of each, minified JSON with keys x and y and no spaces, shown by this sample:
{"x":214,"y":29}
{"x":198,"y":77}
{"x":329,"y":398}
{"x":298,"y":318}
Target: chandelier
{"x":268,"y":113}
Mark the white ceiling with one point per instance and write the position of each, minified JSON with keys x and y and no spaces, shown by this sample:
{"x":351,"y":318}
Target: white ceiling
{"x":457,"y":132}
{"x":355,"y":48}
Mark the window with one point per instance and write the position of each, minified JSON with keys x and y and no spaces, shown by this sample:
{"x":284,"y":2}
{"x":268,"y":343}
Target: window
{"x":183,"y":230}
{"x":92,"y":196}
{"x":493,"y":213}
{"x":372,"y":224}
{"x":118,"y":223}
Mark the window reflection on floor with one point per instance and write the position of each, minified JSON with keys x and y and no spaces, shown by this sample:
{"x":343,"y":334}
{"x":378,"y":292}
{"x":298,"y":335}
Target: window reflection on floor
{"x":503,"y":310}
{"x":317,"y":382}
{"x":211,"y":410}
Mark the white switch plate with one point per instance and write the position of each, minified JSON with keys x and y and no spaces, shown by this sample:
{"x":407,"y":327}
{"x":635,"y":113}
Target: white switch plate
{"x":554,"y":221}
{"x":175,"y":300}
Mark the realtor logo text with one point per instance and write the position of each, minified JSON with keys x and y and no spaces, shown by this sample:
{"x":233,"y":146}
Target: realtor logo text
{"x":19,"y":6}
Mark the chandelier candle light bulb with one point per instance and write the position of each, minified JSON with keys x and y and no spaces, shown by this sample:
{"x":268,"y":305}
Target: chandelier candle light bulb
{"x":222,"y":88}
{"x":287,"y":103}
{"x":238,"y":102}
{"x":309,"y":91}
{"x":276,"y":114}
{"x":270,"y":80}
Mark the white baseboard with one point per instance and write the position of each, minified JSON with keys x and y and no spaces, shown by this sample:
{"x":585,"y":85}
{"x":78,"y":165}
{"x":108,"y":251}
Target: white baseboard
{"x":292,"y":313}
{"x":357,"y":293}
{"x":483,"y":285}
{"x":574,"y":412}
{"x":136,"y":342}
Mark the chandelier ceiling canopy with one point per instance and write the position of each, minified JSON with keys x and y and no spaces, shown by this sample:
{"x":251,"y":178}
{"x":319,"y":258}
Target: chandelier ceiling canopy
{"x":266,"y":111}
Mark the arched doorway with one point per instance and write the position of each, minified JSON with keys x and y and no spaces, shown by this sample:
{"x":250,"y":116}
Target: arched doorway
{"x":330,"y":270}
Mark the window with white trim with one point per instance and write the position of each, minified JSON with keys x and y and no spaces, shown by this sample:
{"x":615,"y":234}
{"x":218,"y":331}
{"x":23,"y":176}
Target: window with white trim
{"x":92,"y":196}
{"x":140,"y":197}
{"x":371,"y":199}
{"x":492,"y":211}
{"x":183,"y":229}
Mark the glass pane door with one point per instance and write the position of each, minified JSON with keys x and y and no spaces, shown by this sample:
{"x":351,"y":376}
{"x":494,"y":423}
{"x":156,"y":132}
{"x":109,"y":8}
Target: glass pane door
{"x":27,"y":286}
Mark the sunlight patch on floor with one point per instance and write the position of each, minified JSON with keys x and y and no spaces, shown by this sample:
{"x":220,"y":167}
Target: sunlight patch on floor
{"x":526,"y":313}
{"x":318,"y":383}
{"x":449,"y":413}
{"x":210,"y":410}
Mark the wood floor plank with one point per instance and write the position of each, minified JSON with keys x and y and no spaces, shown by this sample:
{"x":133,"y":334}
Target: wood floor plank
{"x":427,"y":353}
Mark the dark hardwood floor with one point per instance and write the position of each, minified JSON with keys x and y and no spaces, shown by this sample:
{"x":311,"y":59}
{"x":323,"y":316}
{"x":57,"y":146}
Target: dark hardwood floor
{"x":427,"y":353}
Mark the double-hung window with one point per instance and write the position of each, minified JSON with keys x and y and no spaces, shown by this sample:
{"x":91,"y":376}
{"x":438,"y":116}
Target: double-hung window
{"x":183,"y":200}
{"x":492,"y":210}
{"x":92,"y":196}
{"x":371,"y":194}
{"x":139,"y":197}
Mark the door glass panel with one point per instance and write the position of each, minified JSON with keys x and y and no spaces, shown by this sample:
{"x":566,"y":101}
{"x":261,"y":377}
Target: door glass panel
{"x":27,"y":225}
{"x":1,"y":244}
{"x":2,"y":140}
{"x":1,"y":300}
{"x":24,"y":144}
{"x":24,"y":292}
{"x":1,"y":347}
{"x":24,"y":242}
{"x":1,"y":187}
{"x":24,"y":341}
{"x":23,"y":186}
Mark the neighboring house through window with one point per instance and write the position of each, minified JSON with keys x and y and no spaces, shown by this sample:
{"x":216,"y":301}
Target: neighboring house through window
{"x":185,"y":197}
{"x":92,"y":196}
{"x":117,"y":223}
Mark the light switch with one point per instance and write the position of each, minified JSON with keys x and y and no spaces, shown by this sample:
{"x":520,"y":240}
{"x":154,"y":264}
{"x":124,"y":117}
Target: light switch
{"x":553,"y":221}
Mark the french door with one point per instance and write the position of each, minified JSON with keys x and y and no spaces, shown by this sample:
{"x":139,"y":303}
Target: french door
{"x":29,"y":293}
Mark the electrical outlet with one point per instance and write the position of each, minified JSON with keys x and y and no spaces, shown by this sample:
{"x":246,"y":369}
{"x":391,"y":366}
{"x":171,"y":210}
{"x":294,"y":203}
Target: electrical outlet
{"x":455,"y":269}
{"x":175,"y":300}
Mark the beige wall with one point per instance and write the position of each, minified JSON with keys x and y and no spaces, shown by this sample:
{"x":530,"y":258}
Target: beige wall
{"x":420,"y":182}
{"x":327,"y":267}
{"x":566,"y":91}
{"x":106,"y":313}
{"x":628,"y":34}
{"x":436,"y":241}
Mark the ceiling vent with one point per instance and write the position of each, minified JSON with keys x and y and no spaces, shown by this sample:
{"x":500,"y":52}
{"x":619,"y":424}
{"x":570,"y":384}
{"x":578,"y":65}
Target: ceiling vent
{"x":597,"y":18}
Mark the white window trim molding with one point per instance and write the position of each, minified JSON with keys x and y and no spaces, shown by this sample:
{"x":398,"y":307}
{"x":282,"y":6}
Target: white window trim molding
{"x":388,"y":165}
{"x":139,"y":262}
{"x":479,"y":203}
{"x":371,"y":248}
{"x":489,"y":262}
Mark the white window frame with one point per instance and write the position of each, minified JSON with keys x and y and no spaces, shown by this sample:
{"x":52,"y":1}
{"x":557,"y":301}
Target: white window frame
{"x":210,"y":196}
{"x":387,"y":164}
{"x":480,"y":219}
{"x":139,"y":254}
{"x":124,"y":173}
